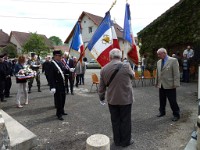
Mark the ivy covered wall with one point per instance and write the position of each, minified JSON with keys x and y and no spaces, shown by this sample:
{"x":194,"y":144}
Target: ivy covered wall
{"x":174,"y":30}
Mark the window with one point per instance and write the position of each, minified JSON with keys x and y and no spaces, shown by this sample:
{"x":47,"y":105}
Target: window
{"x":90,"y":29}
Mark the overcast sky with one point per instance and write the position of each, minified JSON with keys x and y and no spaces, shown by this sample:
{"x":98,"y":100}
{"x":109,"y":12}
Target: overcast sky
{"x":57,"y":17}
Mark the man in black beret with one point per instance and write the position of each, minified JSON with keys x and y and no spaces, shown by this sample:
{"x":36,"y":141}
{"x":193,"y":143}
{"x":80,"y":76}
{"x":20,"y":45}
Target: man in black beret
{"x":57,"y":83}
{"x":35,"y":66}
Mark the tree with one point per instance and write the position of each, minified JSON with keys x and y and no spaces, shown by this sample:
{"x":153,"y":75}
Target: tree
{"x":36,"y":43}
{"x":56,"y":40}
{"x":11,"y":50}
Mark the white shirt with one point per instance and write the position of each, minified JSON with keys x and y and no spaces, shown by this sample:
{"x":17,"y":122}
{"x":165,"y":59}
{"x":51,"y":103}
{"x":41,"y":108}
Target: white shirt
{"x":189,"y":53}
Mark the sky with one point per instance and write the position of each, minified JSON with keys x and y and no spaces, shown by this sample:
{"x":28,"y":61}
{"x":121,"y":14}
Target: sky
{"x":58,"y":17}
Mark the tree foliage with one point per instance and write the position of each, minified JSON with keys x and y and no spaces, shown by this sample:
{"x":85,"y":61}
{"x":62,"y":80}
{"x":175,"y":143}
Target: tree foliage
{"x":56,"y":40}
{"x":36,"y":43}
{"x":11,"y":50}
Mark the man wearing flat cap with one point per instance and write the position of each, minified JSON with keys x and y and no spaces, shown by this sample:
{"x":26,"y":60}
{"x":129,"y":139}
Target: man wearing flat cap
{"x":57,"y":83}
{"x":2,"y":78}
{"x":35,"y":66}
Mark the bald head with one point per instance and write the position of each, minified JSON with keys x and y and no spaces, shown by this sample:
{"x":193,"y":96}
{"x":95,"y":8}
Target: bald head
{"x":115,"y":54}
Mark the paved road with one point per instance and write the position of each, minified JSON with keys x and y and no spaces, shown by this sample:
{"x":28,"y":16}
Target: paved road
{"x":87,"y":117}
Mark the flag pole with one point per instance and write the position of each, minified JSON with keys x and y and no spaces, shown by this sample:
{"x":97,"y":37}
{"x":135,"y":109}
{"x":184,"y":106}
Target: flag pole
{"x":112,"y":5}
{"x":81,"y":55}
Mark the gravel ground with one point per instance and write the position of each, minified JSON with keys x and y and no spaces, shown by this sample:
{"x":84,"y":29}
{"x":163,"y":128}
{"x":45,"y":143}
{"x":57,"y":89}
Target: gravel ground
{"x":86,"y":117}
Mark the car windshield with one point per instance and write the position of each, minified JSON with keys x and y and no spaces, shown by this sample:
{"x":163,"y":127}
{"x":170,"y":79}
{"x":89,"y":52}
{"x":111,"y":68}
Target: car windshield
{"x":93,"y":60}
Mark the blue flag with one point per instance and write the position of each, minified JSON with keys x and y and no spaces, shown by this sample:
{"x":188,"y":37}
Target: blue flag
{"x":127,"y":25}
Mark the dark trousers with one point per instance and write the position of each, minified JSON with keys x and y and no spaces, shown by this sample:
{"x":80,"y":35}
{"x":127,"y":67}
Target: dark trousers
{"x":69,"y":81}
{"x":2,"y":87}
{"x":47,"y":77}
{"x":59,"y":99}
{"x":8,"y":84}
{"x":186,"y":76}
{"x":121,"y":123}
{"x":171,"y":95}
{"x":77,"y":79}
{"x":81,"y":79}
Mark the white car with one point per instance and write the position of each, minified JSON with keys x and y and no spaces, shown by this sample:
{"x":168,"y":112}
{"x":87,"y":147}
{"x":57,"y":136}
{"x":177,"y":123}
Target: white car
{"x":92,"y":64}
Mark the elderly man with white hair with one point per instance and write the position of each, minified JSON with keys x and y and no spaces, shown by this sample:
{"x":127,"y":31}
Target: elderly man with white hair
{"x":167,"y":80}
{"x":115,"y":80}
{"x":188,"y":52}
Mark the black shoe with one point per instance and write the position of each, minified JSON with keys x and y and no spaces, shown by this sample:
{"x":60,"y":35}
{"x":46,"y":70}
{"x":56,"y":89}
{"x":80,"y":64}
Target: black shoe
{"x":72,"y":93}
{"x":130,"y":143}
{"x":4,"y":100}
{"x":29,"y":91}
{"x":60,"y":118}
{"x":64,"y":114}
{"x":7,"y":96}
{"x":117,"y":144}
{"x":175,"y":118}
{"x":39,"y":91}
{"x":160,"y":115}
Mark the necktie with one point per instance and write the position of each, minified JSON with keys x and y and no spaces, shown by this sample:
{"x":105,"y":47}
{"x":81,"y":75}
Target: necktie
{"x":162,"y":64}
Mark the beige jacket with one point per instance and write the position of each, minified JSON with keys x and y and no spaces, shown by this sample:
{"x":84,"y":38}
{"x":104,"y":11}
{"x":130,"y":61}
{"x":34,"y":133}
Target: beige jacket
{"x":80,"y":68}
{"x":120,"y":91}
{"x":169,"y":76}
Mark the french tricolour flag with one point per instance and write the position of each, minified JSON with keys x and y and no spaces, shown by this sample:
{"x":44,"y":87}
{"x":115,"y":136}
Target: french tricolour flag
{"x":103,"y":41}
{"x":77,"y":42}
{"x":128,"y":35}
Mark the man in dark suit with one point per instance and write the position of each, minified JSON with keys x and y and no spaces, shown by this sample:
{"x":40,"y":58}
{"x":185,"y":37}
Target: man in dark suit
{"x":46,"y":67}
{"x":67,"y":71}
{"x":57,"y":84}
{"x":167,"y":80}
{"x":8,"y":81}
{"x":2,"y":78}
{"x":71,"y":74}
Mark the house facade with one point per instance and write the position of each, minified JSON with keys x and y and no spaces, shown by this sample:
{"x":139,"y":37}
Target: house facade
{"x":4,"y":39}
{"x":89,"y":23}
{"x":20,"y":38}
